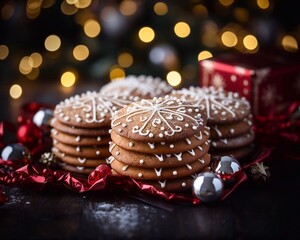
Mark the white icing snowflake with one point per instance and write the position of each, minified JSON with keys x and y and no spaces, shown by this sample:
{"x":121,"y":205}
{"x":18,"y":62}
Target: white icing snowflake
{"x":163,"y":114}
{"x":95,"y":107}
{"x":215,"y":101}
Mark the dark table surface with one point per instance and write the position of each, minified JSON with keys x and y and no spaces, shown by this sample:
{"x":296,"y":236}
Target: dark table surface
{"x":253,"y":211}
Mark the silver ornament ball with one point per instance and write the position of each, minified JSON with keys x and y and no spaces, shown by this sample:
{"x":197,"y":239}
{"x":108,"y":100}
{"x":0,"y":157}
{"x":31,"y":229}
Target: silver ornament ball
{"x":42,"y":117}
{"x":227,"y":168}
{"x":208,"y":187}
{"x":15,"y":152}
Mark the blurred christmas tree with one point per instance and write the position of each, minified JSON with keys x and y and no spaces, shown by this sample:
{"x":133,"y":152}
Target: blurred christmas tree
{"x":82,"y":40}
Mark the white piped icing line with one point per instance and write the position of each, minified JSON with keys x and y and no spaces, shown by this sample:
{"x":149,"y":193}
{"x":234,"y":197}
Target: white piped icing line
{"x":215,"y":101}
{"x":154,"y":113}
{"x":81,"y":160}
{"x":162,"y":183}
{"x":158,"y":171}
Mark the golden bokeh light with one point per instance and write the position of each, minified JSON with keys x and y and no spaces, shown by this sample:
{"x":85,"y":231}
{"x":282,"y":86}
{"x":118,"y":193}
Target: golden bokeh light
{"x":52,"y":43}
{"x":125,"y":59}
{"x":15,"y":91}
{"x":4,"y":51}
{"x":263,"y":4}
{"x":241,"y":14}
{"x":160,"y":8}
{"x":71,"y":1}
{"x":81,"y":52}
{"x":68,"y":9}
{"x":7,"y":11}
{"x":116,"y":72}
{"x":47,"y":3}
{"x":68,"y":79}
{"x":92,"y":28}
{"x":289,"y":43}
{"x":128,"y":7}
{"x":182,"y":29}
{"x":33,"y":74}
{"x":204,"y":55}
{"x":146,"y":34}
{"x":200,"y":11}
{"x":250,"y":42}
{"x":226,"y":2}
{"x":229,"y":39}
{"x":82,"y":3}
{"x":25,"y":65}
{"x":37,"y":59}
{"x":173,"y":78}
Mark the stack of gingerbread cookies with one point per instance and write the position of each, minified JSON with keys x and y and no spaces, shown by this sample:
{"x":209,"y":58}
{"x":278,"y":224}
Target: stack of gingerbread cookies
{"x":228,"y":116}
{"x":81,"y":124}
{"x":80,"y":131}
{"x":162,"y":142}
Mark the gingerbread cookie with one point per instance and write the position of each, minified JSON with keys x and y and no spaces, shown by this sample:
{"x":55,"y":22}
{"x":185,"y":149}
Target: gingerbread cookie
{"x":136,"y":88}
{"x":159,"y":140}
{"x":80,"y":129}
{"x":137,"y":159}
{"x":229,"y":117}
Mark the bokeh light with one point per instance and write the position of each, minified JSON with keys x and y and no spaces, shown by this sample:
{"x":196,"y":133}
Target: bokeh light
{"x":4,"y":51}
{"x":81,"y":52}
{"x":7,"y":11}
{"x":128,"y":7}
{"x":204,"y":55}
{"x":229,"y":39}
{"x":15,"y":91}
{"x":125,"y":59}
{"x":263,"y":4}
{"x":68,"y":9}
{"x":182,"y":29}
{"x":92,"y":28}
{"x":160,"y":8}
{"x":173,"y":78}
{"x":82,"y":3}
{"x":289,"y":43}
{"x":52,"y":43}
{"x":26,"y":65}
{"x":37,"y":59}
{"x":146,"y":34}
{"x":226,"y":2}
{"x":116,"y":72}
{"x":250,"y":42}
{"x":68,"y":79}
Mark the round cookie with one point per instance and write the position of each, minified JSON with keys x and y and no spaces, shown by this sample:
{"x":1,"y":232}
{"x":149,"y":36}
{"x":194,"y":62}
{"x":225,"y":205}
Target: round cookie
{"x":88,"y":110}
{"x":158,"y":120}
{"x":75,"y":169}
{"x":230,"y":130}
{"x":187,"y":143}
{"x":77,"y":161}
{"x":220,"y":106}
{"x":142,"y":160}
{"x":100,"y":151}
{"x":78,"y":140}
{"x":137,"y":87}
{"x":89,"y":132}
{"x":235,"y":142}
{"x":160,"y":173}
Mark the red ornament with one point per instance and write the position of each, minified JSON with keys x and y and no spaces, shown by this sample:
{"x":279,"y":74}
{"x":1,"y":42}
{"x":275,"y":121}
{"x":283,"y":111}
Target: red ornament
{"x":29,"y":135}
{"x":100,"y":172}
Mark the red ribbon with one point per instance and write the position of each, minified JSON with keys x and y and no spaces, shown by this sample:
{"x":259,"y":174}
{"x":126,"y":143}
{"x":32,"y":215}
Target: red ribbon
{"x":285,"y":127}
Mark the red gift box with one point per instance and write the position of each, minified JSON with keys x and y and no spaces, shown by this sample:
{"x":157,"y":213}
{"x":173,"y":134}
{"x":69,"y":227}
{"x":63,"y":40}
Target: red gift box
{"x":270,"y":80}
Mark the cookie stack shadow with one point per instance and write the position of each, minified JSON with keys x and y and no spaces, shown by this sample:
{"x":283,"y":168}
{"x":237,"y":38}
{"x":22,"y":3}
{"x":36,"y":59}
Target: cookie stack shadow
{"x":162,"y":142}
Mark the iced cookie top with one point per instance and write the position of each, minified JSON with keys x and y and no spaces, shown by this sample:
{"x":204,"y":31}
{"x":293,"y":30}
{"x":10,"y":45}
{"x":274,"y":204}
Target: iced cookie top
{"x":158,"y":120}
{"x":88,"y":110}
{"x":220,"y":106}
{"x":137,"y":87}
